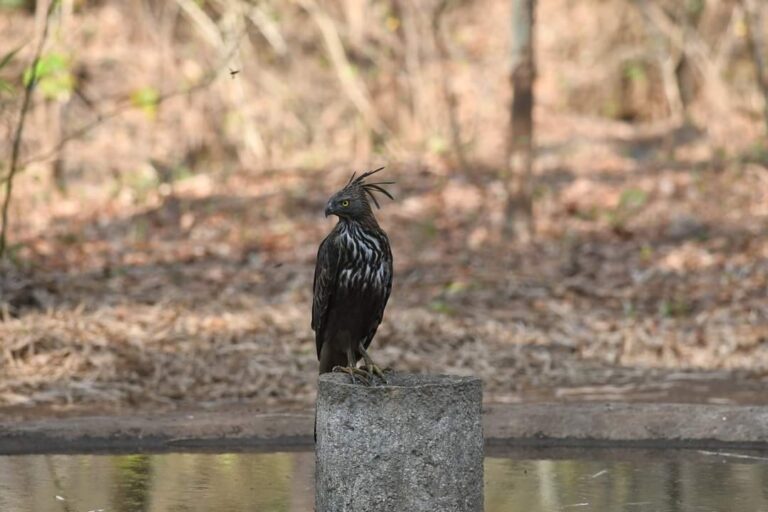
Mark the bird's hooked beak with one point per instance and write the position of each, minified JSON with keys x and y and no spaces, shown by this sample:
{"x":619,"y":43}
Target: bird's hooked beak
{"x":328,"y":210}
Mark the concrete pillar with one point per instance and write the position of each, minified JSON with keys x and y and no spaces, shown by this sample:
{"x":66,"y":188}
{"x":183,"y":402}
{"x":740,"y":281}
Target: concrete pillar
{"x":413,"y":445}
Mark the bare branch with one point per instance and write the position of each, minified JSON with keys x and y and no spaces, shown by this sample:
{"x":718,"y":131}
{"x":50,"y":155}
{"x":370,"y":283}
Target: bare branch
{"x":16,"y":148}
{"x":666,"y":62}
{"x":128,"y":104}
{"x":205,"y":24}
{"x":353,"y":88}
{"x":692,"y":45}
{"x":449,"y":95}
{"x":268,"y":28}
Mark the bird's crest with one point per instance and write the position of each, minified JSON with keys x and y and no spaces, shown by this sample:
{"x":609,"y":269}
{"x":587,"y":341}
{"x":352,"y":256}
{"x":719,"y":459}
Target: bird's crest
{"x":370,"y":188}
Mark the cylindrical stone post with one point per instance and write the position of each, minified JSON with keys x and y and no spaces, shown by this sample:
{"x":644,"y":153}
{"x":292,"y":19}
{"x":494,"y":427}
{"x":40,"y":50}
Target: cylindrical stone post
{"x":412,"y":445}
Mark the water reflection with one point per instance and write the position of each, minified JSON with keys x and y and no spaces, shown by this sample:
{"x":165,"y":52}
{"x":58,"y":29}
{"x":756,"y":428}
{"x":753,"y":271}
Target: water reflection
{"x":282,"y":482}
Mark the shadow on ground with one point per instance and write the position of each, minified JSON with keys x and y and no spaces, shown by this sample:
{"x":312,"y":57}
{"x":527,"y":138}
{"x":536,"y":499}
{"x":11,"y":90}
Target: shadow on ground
{"x":640,"y":281}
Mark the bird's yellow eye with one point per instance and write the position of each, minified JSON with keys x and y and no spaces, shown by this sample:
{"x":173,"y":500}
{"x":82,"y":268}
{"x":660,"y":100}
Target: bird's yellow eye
{"x":345,"y":203}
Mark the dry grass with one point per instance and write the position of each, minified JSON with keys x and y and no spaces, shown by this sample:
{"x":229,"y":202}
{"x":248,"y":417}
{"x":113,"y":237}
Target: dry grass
{"x":201,"y":293}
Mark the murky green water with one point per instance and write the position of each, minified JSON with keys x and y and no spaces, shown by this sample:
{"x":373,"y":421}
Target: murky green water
{"x":264,"y":482}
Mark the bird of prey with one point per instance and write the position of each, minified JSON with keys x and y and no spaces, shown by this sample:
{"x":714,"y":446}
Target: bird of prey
{"x":353,"y":278}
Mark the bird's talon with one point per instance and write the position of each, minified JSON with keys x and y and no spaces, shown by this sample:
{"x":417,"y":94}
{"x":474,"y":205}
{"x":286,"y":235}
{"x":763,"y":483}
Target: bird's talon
{"x":374,"y":370}
{"x":354,"y":373}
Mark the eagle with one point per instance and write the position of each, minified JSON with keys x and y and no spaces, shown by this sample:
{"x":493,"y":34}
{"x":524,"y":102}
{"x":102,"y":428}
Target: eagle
{"x":353,"y":280}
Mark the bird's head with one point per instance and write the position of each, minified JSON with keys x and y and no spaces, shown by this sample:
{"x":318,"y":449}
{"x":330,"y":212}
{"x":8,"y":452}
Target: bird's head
{"x":351,"y":202}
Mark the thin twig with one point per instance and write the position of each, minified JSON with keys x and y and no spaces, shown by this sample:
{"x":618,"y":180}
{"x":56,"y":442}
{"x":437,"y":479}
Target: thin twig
{"x":234,"y":17}
{"x":115,"y":112}
{"x":450,"y":97}
{"x":693,"y":46}
{"x":16,"y":148}
{"x":666,"y":62}
{"x":204,"y":23}
{"x":354,"y":89}
{"x":268,"y":28}
{"x":128,"y":104}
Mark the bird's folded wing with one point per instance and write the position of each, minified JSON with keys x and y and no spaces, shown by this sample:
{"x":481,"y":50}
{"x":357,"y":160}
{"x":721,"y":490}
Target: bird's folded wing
{"x":326,"y":270}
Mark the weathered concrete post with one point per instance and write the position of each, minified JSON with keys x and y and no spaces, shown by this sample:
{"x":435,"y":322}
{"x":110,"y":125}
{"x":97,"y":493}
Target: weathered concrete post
{"x":413,"y":445}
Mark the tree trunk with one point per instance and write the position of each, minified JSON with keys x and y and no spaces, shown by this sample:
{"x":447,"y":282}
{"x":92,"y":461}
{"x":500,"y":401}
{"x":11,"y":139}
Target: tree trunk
{"x":754,"y":22}
{"x":519,"y":218}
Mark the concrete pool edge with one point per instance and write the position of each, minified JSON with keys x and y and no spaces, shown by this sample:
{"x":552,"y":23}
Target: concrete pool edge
{"x":611,"y":425}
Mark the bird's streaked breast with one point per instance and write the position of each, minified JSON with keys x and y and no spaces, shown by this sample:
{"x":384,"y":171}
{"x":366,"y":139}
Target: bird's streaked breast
{"x":365,"y":263}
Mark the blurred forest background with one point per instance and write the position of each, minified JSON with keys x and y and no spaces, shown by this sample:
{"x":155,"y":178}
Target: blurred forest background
{"x":166,"y":195}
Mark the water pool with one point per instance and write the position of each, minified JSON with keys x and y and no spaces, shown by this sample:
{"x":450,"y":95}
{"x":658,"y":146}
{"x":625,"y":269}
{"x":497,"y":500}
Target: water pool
{"x":607,"y":481}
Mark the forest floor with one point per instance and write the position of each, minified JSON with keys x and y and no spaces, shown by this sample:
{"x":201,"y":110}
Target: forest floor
{"x":647,"y":280}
